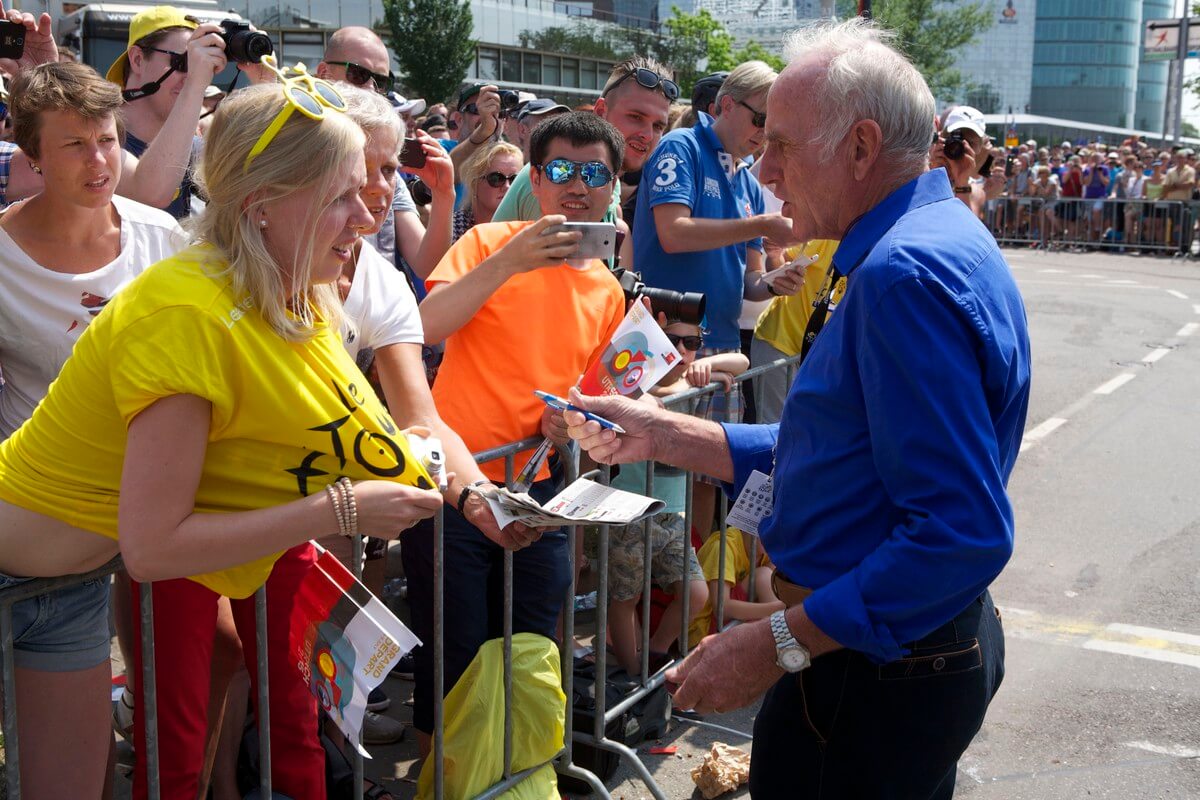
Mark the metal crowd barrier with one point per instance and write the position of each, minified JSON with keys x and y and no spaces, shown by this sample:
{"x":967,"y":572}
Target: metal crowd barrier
{"x":1111,"y":224}
{"x":647,"y":682}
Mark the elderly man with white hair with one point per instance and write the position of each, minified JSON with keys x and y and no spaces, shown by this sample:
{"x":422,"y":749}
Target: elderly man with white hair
{"x":890,"y":516}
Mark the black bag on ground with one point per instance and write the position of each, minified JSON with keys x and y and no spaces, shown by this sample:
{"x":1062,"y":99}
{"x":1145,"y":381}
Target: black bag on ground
{"x":645,"y":719}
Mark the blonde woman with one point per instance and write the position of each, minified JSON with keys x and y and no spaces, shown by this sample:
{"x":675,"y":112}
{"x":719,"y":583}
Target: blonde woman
{"x":209,"y":413}
{"x":487,"y":174}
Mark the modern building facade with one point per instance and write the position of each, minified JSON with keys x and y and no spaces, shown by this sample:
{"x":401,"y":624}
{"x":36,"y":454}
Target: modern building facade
{"x":1085,"y":60}
{"x":999,"y":65}
{"x":1150,"y":108}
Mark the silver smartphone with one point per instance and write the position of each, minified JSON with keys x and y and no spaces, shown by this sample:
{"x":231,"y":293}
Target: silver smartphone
{"x":599,"y":241}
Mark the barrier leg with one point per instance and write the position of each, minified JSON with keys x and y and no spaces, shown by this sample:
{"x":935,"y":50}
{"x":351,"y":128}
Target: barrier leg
{"x":12,"y":752}
{"x":439,"y":655}
{"x":356,"y":759}
{"x":149,"y":691}
{"x":264,"y":693}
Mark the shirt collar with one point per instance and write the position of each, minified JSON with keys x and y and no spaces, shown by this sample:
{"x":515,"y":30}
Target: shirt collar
{"x":867,"y":230}
{"x":704,"y":129}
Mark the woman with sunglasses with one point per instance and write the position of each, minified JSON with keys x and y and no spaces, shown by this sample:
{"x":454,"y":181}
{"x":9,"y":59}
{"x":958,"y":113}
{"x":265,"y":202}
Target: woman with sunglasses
{"x":487,"y":174}
{"x":64,"y":252}
{"x":208,"y":415}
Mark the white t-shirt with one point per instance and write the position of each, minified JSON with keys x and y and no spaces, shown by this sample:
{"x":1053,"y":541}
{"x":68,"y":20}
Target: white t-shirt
{"x":382,"y":307}
{"x":43,"y":312}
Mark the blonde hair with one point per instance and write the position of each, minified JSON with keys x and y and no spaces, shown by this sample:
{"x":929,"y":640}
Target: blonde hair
{"x":747,"y":80}
{"x":304,"y":154}
{"x":370,"y":110}
{"x":476,"y":167}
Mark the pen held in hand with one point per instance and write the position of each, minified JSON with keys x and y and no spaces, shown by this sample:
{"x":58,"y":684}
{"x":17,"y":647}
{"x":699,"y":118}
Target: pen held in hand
{"x":562,"y":405}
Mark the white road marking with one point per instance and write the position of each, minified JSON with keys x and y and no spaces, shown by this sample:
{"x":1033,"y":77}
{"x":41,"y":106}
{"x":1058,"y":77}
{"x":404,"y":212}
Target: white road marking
{"x":1196,"y":307}
{"x":1115,"y":383}
{"x":1189,"y":639}
{"x":1121,"y":281}
{"x":1054,"y":271}
{"x":1154,"y":644}
{"x":1042,"y":431}
{"x":1156,"y":354}
{"x":1173,"y":750}
{"x":1177,"y":293}
{"x":1077,"y":285}
{"x":1139,"y":651}
{"x":1089,"y":275}
{"x":1189,"y":329}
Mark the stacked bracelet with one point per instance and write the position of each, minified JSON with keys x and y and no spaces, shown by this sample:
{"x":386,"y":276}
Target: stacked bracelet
{"x":347,"y":489}
{"x":335,"y":498}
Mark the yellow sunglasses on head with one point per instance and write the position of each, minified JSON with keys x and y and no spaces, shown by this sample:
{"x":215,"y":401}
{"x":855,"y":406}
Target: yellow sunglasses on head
{"x":304,"y":93}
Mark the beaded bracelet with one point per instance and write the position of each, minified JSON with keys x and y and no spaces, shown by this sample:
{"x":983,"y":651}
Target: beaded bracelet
{"x":335,"y":497}
{"x":351,"y":505}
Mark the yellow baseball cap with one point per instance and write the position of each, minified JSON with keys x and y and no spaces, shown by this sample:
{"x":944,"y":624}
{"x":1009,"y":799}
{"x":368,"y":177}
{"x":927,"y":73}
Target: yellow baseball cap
{"x":141,"y":26}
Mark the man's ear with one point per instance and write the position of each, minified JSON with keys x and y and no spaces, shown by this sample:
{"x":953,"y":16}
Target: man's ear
{"x":322,"y":70}
{"x":865,"y":145}
{"x":600,"y":108}
{"x":535,"y":176}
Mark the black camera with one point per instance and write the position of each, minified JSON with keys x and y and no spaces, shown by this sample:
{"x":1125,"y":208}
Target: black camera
{"x":509,"y":100}
{"x":955,"y":142}
{"x":684,"y":306}
{"x":243,"y":45}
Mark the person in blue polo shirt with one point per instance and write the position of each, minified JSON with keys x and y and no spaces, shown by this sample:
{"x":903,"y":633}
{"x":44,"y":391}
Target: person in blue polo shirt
{"x":700,"y":228}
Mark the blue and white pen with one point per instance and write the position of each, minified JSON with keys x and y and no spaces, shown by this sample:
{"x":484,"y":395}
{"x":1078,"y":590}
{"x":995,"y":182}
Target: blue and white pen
{"x":562,"y":405}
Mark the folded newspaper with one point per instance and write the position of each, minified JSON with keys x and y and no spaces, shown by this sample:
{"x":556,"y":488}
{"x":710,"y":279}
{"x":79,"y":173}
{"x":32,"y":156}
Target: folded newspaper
{"x":582,"y":501}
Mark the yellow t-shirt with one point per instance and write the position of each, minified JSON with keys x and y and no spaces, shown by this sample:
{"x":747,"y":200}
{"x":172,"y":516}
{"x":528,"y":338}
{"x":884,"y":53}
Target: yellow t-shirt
{"x":783,"y":322}
{"x":737,"y":569}
{"x":287,"y":418}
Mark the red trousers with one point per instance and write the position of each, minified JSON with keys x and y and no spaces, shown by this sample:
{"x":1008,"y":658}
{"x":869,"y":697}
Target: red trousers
{"x":185,"y":615}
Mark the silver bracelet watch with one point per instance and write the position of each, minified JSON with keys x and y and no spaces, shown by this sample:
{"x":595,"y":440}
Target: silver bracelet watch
{"x":790,"y":655}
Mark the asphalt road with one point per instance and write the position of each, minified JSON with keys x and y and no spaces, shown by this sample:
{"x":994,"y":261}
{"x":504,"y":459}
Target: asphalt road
{"x":1101,"y":600}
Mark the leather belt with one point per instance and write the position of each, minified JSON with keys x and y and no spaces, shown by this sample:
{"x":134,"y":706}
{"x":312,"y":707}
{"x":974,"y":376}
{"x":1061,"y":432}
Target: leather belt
{"x":792,"y":594}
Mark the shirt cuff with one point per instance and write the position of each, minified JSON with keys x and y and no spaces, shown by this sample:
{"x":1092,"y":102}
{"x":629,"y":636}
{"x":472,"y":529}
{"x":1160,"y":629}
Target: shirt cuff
{"x":839,"y":611}
{"x":752,"y":447}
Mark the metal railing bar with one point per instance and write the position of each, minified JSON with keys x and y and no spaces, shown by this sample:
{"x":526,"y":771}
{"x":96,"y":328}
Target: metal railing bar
{"x":149,"y":700}
{"x":264,"y":692}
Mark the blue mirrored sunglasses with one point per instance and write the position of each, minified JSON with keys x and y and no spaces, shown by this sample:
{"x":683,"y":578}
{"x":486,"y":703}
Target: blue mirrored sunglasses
{"x":594,"y":173}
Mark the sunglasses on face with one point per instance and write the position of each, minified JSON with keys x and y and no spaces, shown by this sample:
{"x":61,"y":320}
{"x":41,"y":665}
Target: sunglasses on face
{"x":760,"y":117}
{"x":692,"y":343}
{"x":361,"y":76}
{"x":178,"y":61}
{"x":594,"y":173}
{"x":304,"y":93}
{"x":648,"y":79}
{"x":498,"y":179}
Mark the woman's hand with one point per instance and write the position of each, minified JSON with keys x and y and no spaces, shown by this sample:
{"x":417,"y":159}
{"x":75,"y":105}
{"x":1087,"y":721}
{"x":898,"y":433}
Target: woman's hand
{"x":387,"y":509}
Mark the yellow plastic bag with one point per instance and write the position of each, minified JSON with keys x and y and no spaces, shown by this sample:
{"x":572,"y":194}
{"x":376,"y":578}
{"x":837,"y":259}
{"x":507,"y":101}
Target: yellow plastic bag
{"x":474,"y":722}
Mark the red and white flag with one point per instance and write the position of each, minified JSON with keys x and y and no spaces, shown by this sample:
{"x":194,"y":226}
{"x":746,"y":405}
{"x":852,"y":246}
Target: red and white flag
{"x":344,"y":641}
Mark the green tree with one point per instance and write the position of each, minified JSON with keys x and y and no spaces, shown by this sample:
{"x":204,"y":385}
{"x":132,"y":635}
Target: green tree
{"x":1189,"y":130}
{"x":931,"y":33}
{"x":753,"y":51}
{"x":436,"y":67}
{"x":580,"y":39}
{"x":695,"y":45}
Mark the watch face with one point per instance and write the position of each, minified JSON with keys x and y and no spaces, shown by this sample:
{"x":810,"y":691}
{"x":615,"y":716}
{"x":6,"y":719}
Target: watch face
{"x":793,"y":659}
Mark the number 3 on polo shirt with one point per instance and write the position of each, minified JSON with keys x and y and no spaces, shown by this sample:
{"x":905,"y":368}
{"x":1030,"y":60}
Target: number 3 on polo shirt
{"x":667,"y":168}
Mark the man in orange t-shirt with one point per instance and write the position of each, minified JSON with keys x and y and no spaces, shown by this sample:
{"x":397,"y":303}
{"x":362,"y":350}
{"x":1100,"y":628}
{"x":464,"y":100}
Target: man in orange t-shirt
{"x":515,"y":317}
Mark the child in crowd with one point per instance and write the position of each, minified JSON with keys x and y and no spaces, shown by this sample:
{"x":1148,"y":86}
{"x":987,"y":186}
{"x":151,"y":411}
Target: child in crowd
{"x":735,"y":584}
{"x":670,"y":547}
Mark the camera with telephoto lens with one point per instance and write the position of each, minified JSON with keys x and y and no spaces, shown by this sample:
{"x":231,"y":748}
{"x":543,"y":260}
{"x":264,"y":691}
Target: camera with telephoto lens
{"x":684,"y":306}
{"x":953,"y":148}
{"x":243,"y":45}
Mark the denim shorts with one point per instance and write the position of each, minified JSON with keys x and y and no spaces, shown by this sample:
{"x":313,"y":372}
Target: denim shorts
{"x":65,"y":630}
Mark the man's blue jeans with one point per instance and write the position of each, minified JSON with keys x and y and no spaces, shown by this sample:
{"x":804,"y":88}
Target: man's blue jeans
{"x":848,"y":728}
{"x":475,"y":594}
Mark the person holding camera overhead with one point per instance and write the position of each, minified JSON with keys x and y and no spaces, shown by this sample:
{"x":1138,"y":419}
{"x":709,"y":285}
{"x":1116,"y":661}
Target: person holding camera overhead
{"x":170,"y":61}
{"x":515,"y":318}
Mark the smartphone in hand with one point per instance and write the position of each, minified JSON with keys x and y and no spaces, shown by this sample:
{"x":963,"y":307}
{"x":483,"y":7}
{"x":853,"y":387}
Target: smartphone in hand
{"x":12,"y":39}
{"x":599,"y":241}
{"x":412,"y":154}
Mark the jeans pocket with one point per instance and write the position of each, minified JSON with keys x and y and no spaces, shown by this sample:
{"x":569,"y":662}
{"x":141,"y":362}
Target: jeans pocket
{"x":950,"y":659}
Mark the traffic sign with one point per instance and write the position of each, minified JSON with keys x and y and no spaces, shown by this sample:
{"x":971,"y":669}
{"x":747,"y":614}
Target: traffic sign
{"x":1162,"y":39}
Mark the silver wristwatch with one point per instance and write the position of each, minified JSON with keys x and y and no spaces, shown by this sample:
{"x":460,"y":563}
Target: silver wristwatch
{"x":790,"y":655}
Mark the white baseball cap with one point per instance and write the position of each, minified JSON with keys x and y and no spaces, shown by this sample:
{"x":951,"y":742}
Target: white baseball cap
{"x":965,"y":117}
{"x":405,"y":106}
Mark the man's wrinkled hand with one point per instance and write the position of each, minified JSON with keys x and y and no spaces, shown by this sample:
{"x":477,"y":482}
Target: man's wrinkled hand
{"x":706,"y":678}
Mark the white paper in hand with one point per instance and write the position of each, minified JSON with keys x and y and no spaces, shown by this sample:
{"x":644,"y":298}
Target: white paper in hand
{"x":795,"y":267}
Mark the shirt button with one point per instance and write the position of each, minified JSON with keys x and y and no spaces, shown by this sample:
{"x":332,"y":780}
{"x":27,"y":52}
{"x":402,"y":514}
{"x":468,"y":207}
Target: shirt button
{"x":938,"y":664}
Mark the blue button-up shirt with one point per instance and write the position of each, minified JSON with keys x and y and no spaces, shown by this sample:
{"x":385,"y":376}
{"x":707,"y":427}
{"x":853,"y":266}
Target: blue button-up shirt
{"x":901,"y":429}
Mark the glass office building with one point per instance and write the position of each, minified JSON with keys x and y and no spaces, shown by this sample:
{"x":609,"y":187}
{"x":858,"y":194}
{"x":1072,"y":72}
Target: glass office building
{"x":1152,"y":75}
{"x":999,"y":64}
{"x":1085,"y":60}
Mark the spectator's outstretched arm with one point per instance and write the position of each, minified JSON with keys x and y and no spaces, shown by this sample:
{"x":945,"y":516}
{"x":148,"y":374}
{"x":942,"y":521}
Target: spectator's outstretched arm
{"x":421,"y":246}
{"x":680,"y":232}
{"x":154,"y":178}
{"x":39,"y":42}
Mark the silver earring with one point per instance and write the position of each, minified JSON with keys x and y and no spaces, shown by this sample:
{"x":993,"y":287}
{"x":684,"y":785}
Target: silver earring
{"x":35,"y":168}
{"x":262,"y":223}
